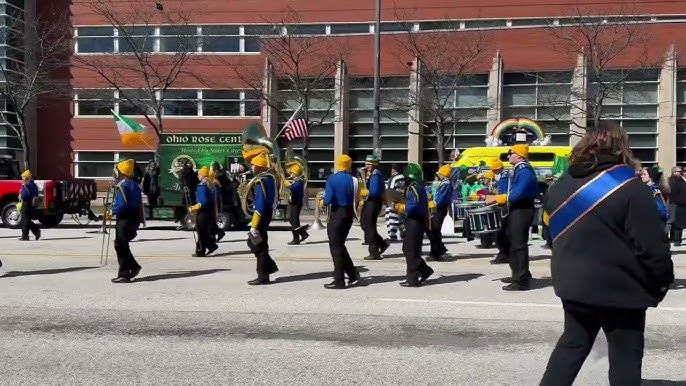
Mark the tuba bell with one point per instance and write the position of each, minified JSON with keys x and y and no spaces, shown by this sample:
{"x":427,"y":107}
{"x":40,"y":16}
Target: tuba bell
{"x":321,"y":215}
{"x":255,"y":141}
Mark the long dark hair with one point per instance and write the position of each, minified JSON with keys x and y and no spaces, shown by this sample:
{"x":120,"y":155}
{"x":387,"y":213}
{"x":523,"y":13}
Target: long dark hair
{"x":607,"y":139}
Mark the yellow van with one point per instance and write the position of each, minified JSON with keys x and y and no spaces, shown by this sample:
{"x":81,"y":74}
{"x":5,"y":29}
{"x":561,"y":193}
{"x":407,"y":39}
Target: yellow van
{"x":540,"y":157}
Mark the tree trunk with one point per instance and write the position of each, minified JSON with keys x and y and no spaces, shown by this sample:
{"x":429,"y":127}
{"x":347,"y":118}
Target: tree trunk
{"x":24,"y":139}
{"x":440,"y":143}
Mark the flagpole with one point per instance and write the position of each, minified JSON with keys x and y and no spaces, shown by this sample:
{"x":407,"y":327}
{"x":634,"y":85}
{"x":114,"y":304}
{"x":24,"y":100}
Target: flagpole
{"x":289,"y":120}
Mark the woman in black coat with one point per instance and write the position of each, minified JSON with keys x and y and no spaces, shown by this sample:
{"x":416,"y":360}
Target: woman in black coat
{"x":611,"y":257}
{"x":677,"y":201}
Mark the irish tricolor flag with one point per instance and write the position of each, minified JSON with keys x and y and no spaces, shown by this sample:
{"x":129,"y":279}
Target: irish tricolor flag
{"x":132,"y":133}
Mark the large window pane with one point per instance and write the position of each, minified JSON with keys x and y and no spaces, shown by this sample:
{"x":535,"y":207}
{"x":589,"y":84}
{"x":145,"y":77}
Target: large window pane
{"x":640,"y":112}
{"x":519,"y":96}
{"x":472,"y":97}
{"x":95,"y":170}
{"x":180,"y":108}
{"x":95,"y":156}
{"x":635,"y":93}
{"x":221,"y":44}
{"x":221,"y":108}
{"x":95,"y":45}
{"x":137,"y":44}
{"x":349,"y":28}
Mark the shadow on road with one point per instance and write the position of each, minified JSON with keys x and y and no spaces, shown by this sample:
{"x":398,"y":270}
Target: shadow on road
{"x":661,"y":382}
{"x":232,"y":253}
{"x":313,"y":276}
{"x":539,"y":257}
{"x":53,"y":271}
{"x":233,"y":241}
{"x":453,"y":279}
{"x":166,"y":239}
{"x":66,"y":238}
{"x":327,"y":241}
{"x":179,"y":275}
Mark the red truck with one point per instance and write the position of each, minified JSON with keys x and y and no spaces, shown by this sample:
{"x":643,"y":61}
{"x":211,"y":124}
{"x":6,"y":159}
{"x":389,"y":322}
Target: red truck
{"x":57,"y":197}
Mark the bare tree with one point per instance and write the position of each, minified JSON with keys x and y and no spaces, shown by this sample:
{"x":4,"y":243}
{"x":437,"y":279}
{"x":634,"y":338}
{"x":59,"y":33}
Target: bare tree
{"x":37,"y":49}
{"x":304,"y":63}
{"x":447,"y":61}
{"x":602,"y":38}
{"x":140,"y":75}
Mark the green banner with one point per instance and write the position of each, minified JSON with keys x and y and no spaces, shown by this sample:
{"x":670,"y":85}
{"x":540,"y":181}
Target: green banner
{"x":198,"y":149}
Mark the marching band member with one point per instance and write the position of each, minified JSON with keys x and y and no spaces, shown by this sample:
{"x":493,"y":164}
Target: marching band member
{"x":519,"y":202}
{"x":28,"y":192}
{"x":650,"y":176}
{"x":127,"y":206}
{"x":340,"y":194}
{"x":416,"y":207}
{"x":297,"y":188}
{"x":443,"y":200}
{"x":393,"y":222}
{"x":501,"y":178}
{"x":372,"y":208}
{"x":206,"y":211}
{"x":266,"y":195}
{"x":218,"y":197}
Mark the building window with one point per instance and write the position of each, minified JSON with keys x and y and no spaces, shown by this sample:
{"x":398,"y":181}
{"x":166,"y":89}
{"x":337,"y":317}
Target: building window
{"x":180,"y":103}
{"x":633,"y":104}
{"x":93,"y":102}
{"x":542,"y":97}
{"x":100,"y":164}
{"x":221,"y":39}
{"x":179,"y":39}
{"x":349,"y":29}
{"x":136,"y":39}
{"x":134,"y":102}
{"x":95,"y":40}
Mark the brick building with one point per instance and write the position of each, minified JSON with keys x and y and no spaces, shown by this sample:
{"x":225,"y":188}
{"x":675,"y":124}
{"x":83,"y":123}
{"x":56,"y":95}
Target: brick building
{"x":520,"y":71}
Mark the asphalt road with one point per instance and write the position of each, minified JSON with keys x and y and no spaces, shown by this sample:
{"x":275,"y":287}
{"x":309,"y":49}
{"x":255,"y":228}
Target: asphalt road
{"x":196,"y":321}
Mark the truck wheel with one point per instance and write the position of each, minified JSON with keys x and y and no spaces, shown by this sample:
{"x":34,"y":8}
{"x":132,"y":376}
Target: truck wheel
{"x":50,"y":220}
{"x":11,"y":216}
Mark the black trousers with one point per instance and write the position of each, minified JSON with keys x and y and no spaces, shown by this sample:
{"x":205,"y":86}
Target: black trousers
{"x":338,"y":228}
{"x":368,"y":219}
{"x":265,"y":264}
{"x":206,"y":226}
{"x":28,"y":214}
{"x":624,"y":330}
{"x":294,"y":219}
{"x":546,"y":235}
{"x":519,"y":222}
{"x":126,"y":230}
{"x":412,"y":248}
{"x":434,"y":233}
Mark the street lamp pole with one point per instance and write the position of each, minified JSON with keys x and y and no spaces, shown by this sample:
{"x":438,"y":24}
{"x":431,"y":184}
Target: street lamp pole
{"x":376,"y":133}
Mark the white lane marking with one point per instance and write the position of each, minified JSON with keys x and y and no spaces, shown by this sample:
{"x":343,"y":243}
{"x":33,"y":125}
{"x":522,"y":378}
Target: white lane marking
{"x":500,"y":304}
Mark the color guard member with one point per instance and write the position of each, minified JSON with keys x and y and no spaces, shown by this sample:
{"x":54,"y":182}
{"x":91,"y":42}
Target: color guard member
{"x":394,"y":223}
{"x":651,"y":177}
{"x":340,"y":194}
{"x":416,"y":207}
{"x":296,"y":186}
{"x":443,"y":201}
{"x":372,"y":208}
{"x":519,"y":205}
{"x":266,"y":196}
{"x":127,"y":206}
{"x":206,"y":212}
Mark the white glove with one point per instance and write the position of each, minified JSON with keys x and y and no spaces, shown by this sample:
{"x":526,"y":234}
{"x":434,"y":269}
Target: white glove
{"x":254,"y":232}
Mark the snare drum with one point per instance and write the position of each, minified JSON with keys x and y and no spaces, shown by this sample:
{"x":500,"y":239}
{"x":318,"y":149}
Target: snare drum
{"x":484,"y":220}
{"x":461,"y":209}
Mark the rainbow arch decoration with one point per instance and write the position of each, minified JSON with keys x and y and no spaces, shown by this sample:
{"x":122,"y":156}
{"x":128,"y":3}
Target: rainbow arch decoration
{"x":509,"y":126}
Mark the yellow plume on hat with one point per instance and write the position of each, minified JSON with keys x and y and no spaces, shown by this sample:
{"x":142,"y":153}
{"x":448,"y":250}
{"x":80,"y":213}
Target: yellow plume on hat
{"x":521,"y":150}
{"x":27,"y":174}
{"x":204,"y":171}
{"x":260,"y":160}
{"x":495,"y":164}
{"x":295,"y":169}
{"x":444,"y":171}
{"x":344,"y":162}
{"x":126,"y":167}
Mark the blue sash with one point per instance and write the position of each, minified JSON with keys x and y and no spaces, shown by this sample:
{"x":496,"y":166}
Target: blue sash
{"x":588,"y":197}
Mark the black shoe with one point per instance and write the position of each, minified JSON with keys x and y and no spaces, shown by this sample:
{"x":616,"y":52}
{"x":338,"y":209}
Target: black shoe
{"x":304,"y":236}
{"x":434,"y":258}
{"x":135,"y":272}
{"x":212,"y":248}
{"x":0,"y":263}
{"x":199,"y":254}
{"x":499,"y":260}
{"x":384,"y":246}
{"x":121,"y":280}
{"x":426,"y":275}
{"x":365,"y":243}
{"x":507,"y":280}
{"x":373,"y":258}
{"x":335,"y":285}
{"x":259,"y":281}
{"x":23,"y":239}
{"x":410,"y":284}
{"x":516,"y":287}
{"x":354,"y":280}
{"x":294,"y":242}
{"x":37,"y":235}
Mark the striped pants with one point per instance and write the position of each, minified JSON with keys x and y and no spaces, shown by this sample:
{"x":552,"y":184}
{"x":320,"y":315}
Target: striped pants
{"x":394,"y":225}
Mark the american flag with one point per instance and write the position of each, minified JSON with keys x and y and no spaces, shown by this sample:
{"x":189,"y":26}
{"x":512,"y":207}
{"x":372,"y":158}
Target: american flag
{"x":296,"y":127}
